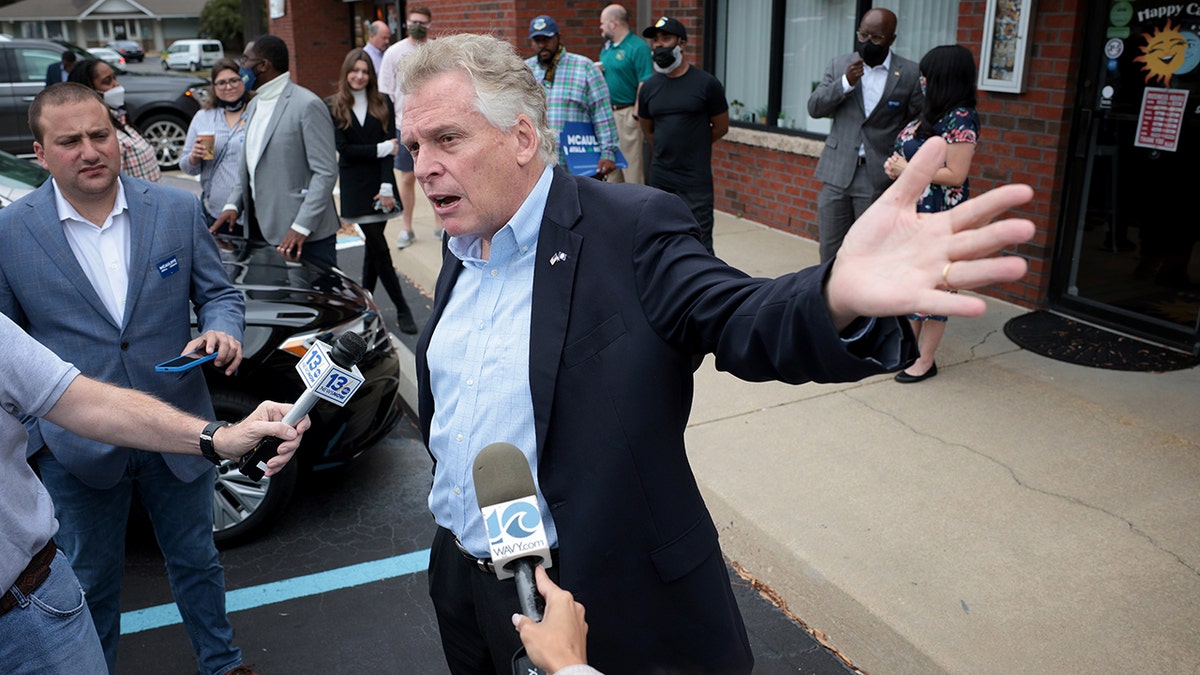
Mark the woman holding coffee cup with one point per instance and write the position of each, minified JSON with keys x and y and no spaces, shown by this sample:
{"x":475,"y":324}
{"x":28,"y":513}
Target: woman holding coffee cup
{"x":216,"y":138}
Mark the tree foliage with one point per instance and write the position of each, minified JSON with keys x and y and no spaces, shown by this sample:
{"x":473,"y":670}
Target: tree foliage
{"x":222,"y":20}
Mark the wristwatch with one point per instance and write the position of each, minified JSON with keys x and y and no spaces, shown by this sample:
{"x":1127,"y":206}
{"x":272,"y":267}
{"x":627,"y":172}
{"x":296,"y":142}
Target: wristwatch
{"x":206,"y":441}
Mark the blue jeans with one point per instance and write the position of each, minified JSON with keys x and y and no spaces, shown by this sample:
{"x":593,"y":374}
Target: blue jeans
{"x":92,"y":534}
{"x":48,"y":632}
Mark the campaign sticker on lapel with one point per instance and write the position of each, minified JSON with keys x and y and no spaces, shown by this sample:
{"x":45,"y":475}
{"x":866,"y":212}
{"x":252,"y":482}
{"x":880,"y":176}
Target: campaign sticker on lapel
{"x":168,"y":267}
{"x":893,"y":103}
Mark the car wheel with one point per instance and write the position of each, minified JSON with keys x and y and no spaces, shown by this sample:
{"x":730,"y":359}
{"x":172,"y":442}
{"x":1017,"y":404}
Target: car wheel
{"x":195,"y":67}
{"x":164,"y":65}
{"x":167,"y":133}
{"x":243,"y":509}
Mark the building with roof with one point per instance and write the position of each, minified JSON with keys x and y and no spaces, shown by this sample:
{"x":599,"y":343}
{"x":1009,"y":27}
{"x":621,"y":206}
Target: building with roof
{"x":152,"y":23}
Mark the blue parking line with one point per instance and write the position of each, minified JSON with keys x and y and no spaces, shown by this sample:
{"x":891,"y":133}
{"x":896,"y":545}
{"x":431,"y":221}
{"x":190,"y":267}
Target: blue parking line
{"x":286,"y":589}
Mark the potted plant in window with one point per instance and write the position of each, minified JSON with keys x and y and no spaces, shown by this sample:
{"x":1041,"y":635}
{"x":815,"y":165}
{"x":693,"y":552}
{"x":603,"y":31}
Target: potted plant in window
{"x":735,"y":109}
{"x":762,"y":115}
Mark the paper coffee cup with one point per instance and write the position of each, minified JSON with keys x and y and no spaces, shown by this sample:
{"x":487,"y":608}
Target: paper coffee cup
{"x":209,"y":140}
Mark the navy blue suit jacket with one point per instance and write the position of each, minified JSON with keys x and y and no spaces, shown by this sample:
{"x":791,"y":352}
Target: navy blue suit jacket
{"x":617,"y":330}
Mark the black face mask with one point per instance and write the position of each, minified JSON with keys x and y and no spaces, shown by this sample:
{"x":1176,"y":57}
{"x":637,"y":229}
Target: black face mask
{"x":232,"y":106}
{"x":871,"y":53}
{"x":664,"y":56}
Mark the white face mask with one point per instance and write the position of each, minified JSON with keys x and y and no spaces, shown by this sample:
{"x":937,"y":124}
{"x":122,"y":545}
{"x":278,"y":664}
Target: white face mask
{"x":115,"y":97}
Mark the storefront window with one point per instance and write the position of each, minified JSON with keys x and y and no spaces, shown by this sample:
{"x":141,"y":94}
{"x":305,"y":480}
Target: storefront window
{"x":806,"y":35}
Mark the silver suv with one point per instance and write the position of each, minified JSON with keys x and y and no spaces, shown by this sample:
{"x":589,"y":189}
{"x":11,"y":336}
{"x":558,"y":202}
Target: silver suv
{"x":160,"y":106}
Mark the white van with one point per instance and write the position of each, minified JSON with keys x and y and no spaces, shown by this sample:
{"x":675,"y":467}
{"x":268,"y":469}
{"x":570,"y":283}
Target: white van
{"x":192,"y":54}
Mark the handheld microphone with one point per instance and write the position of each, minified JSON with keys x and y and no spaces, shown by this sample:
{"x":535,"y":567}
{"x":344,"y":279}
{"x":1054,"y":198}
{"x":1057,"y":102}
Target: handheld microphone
{"x":516,"y":536}
{"x":328,"y":373}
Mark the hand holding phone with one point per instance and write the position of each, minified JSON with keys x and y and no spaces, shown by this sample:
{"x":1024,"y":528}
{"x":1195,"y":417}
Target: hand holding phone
{"x":185,"y":362}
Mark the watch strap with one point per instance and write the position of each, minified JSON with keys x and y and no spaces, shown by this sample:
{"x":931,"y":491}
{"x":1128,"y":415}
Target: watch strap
{"x":206,"y":441}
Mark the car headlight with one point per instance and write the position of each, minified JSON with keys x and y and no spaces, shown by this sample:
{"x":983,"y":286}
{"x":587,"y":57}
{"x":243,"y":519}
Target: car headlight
{"x":200,"y":93}
{"x":367,"y":325}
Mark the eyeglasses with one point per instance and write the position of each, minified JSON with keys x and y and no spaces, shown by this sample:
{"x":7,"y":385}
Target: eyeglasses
{"x":873,"y":37}
{"x":249,"y":61}
{"x":227,"y":84}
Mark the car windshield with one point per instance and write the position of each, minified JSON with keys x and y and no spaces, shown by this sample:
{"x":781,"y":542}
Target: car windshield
{"x":18,"y":173}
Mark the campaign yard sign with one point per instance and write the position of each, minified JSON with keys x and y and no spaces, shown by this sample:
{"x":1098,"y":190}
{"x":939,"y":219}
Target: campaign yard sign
{"x":582,"y":150}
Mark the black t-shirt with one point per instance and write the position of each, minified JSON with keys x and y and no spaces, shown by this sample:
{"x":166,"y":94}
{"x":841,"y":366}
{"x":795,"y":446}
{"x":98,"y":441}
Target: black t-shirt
{"x":682,"y":109}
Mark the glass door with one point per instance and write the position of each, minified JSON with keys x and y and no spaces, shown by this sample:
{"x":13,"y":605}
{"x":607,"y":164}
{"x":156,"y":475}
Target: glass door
{"x":1126,"y":258}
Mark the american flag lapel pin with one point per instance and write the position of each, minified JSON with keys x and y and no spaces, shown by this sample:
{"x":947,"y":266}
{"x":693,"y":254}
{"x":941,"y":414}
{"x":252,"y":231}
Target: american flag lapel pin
{"x":557,"y":257}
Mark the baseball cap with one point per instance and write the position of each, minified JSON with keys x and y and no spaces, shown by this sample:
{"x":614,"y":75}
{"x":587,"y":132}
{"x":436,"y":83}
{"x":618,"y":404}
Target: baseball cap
{"x":666,"y":25}
{"x":542,"y":26}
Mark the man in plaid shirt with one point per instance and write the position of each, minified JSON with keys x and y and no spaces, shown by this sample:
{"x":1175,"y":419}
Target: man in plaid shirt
{"x":575,"y":91}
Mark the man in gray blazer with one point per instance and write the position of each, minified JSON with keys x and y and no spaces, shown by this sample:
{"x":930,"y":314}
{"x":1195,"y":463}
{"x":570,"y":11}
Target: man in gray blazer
{"x":871,"y":94}
{"x":289,"y":164}
{"x":103,"y":269}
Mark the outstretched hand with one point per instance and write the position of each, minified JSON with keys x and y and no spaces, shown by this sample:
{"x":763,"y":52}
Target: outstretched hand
{"x":895,"y":261}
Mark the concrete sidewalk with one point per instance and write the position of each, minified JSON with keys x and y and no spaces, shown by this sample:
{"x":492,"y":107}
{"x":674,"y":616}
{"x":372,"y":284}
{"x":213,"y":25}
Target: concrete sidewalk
{"x":1015,"y":514}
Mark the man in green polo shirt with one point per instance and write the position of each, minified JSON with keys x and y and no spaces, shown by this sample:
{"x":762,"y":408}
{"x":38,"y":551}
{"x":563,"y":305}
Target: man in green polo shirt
{"x":625,"y":61}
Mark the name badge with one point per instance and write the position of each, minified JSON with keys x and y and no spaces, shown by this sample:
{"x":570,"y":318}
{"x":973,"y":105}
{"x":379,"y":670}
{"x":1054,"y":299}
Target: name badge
{"x":893,"y":103}
{"x":168,"y":267}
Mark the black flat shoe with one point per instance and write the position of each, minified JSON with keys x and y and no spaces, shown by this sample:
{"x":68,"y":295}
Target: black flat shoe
{"x":904,"y":378}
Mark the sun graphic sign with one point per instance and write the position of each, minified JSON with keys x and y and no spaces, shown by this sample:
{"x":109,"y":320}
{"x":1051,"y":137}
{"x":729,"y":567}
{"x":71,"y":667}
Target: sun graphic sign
{"x":1168,"y":51}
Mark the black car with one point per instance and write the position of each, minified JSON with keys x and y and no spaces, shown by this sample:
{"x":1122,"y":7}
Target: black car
{"x":288,"y":307}
{"x":161,"y":106}
{"x":131,"y":50}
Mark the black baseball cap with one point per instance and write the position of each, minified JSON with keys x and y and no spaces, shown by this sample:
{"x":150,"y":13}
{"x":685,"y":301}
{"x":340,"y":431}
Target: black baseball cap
{"x":666,"y":25}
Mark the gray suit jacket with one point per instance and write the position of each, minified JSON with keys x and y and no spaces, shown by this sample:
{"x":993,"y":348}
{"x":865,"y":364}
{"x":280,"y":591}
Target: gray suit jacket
{"x":173,"y":262}
{"x":297,"y":170}
{"x":900,"y":104}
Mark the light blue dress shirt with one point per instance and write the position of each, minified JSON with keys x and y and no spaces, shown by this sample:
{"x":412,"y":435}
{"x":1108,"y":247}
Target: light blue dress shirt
{"x":479,"y":369}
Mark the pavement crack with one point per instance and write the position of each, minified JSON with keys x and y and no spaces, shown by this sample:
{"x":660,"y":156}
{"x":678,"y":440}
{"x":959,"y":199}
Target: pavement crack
{"x":1133,"y":528}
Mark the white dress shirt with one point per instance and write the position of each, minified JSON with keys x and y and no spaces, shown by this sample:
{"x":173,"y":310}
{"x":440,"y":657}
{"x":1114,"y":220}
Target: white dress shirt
{"x":102,"y":250}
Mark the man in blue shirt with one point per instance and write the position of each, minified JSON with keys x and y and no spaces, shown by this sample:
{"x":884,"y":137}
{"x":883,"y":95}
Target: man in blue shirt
{"x":568,"y":318}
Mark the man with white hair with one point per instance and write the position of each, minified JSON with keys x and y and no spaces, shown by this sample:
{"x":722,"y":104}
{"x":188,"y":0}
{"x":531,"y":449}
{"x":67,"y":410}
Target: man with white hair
{"x":568,"y":319}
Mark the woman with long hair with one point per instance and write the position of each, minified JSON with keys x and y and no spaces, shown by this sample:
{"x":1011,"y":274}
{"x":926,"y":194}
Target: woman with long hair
{"x":365,"y":135}
{"x":948,"y":82}
{"x":223,"y":116}
{"x":137,"y":155}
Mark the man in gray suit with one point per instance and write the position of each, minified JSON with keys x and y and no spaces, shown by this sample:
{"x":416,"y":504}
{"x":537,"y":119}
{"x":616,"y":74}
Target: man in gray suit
{"x":289,"y":164}
{"x":871,"y":94}
{"x":103,"y":268}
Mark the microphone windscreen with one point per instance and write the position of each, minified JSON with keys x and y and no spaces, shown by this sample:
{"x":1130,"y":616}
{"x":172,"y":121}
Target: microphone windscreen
{"x":501,"y":475}
{"x":348,"y":348}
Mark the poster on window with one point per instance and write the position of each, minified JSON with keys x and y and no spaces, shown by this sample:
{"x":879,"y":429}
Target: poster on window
{"x":1161,"y":118}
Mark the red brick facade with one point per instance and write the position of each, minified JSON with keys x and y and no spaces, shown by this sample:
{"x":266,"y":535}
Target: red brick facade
{"x":1024,"y":137}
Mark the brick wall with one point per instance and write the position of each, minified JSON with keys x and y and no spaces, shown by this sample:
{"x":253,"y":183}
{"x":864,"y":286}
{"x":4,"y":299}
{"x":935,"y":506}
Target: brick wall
{"x":326,"y":27}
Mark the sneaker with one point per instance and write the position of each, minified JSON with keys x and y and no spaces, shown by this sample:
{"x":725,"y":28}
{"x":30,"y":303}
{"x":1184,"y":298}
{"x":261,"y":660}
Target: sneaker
{"x":405,"y":239}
